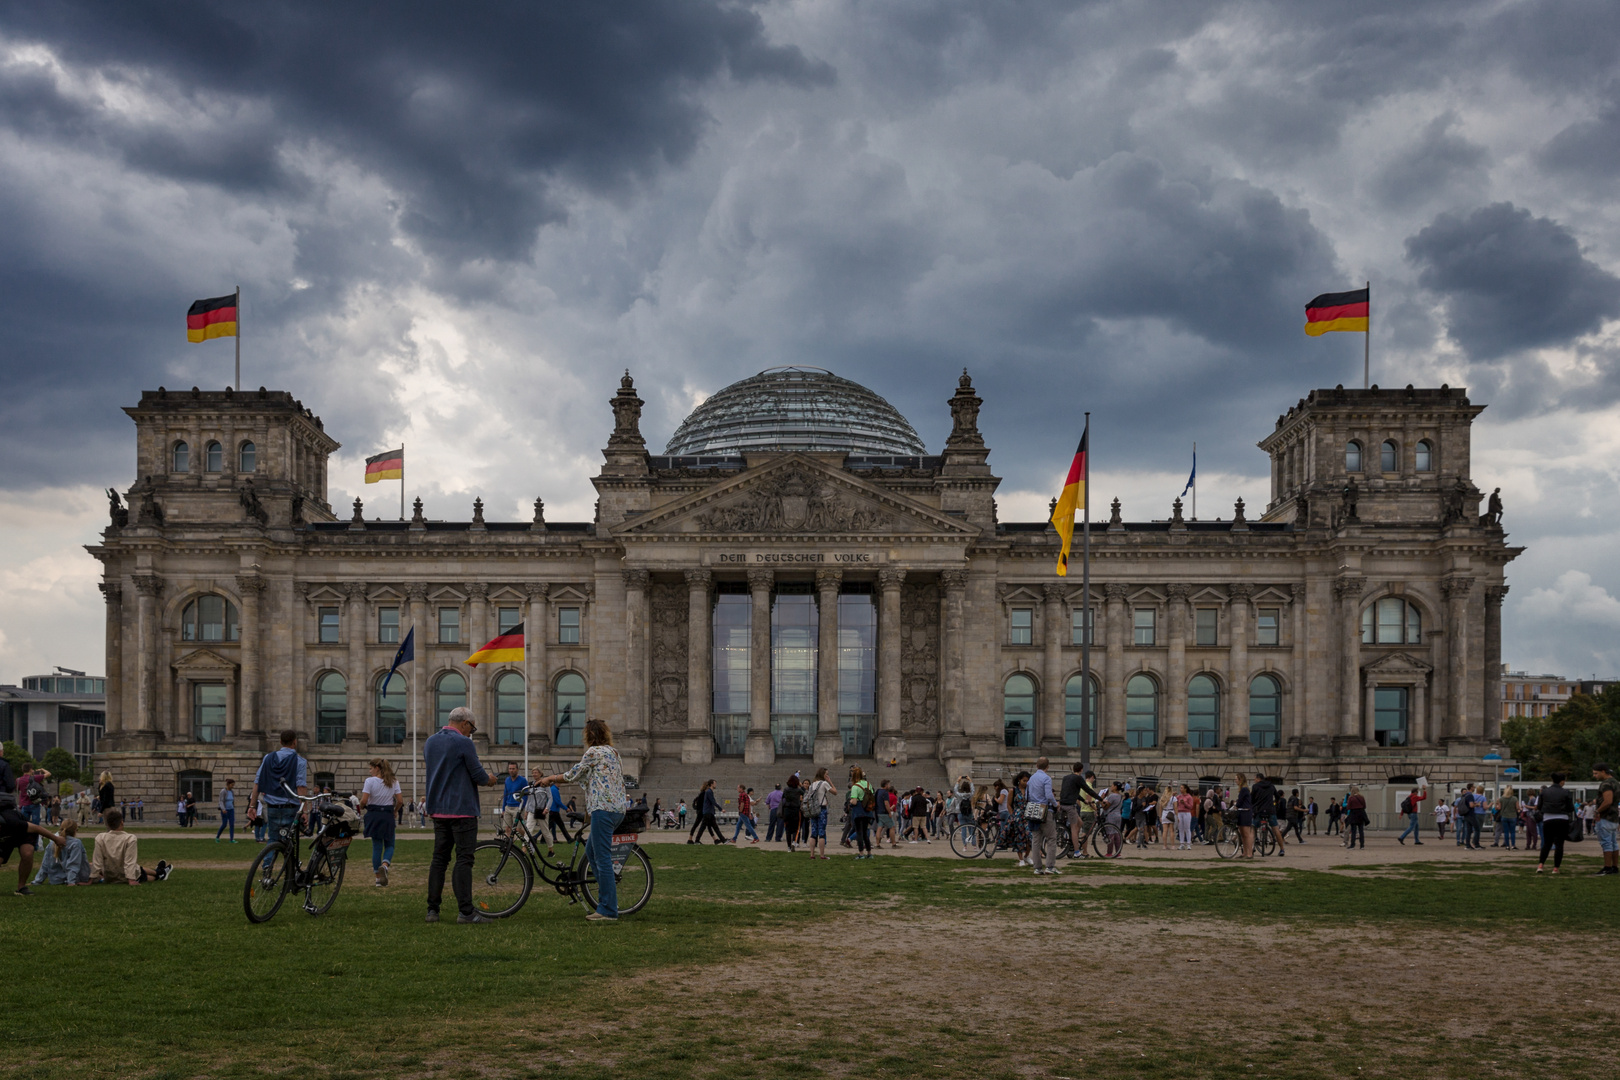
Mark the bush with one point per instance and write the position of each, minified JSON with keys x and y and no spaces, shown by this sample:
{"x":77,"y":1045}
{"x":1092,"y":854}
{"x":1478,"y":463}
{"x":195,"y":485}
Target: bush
{"x":1584,"y":730}
{"x":18,"y":758}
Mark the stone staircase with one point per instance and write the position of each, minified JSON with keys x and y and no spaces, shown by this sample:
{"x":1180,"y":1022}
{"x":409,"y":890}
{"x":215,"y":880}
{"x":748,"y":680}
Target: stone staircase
{"x":671,"y":780}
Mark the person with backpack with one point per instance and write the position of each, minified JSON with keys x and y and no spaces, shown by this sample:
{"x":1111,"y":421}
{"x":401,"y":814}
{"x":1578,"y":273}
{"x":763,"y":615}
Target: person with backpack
{"x":706,"y":806}
{"x":1411,"y":806}
{"x":1264,"y":799}
{"x":32,"y":795}
{"x":17,"y":832}
{"x":1467,"y":820}
{"x":788,"y":811}
{"x":863,"y":801}
{"x":817,"y":803}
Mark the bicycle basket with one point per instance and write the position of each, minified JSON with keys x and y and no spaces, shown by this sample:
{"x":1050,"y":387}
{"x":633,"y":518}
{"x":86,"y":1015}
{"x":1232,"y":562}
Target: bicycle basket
{"x":1230,"y":817}
{"x":635,"y":821}
{"x":341,"y":825}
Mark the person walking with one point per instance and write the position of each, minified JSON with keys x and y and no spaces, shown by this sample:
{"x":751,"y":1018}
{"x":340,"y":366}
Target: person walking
{"x":680,"y":814}
{"x":1557,"y":807}
{"x":817,"y":805}
{"x":512,"y":785}
{"x":454,"y":775}
{"x":1411,"y":806}
{"x":863,"y":801}
{"x":745,"y":815}
{"x":773,"y":808}
{"x":279,"y":771}
{"x":1296,"y":816}
{"x":1442,"y":817}
{"x":1310,"y":815}
{"x":1507,"y":819}
{"x":1040,"y":815}
{"x":1335,"y":813}
{"x":606,"y":803}
{"x":227,"y":811}
{"x":1607,"y":812}
{"x":1467,"y":819}
{"x":378,"y":797}
{"x":788,"y":810}
{"x":707,"y":805}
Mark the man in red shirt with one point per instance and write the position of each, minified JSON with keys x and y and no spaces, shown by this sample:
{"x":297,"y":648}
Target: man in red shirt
{"x":745,"y":815}
{"x":1410,"y":807}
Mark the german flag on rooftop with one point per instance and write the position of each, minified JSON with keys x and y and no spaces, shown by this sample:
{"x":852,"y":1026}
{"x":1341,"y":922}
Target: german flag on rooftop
{"x":505,"y":649}
{"x":1337,"y":311}
{"x":388,"y":465}
{"x":211,"y":318}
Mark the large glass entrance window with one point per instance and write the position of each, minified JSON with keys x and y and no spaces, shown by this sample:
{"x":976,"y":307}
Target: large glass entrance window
{"x":857,"y":669}
{"x":208,"y":711}
{"x":794,"y":633}
{"x":733,"y":623}
{"x":1390,"y":715}
{"x":1265,"y":713}
{"x":1018,"y":711}
{"x":1203,"y":713}
{"x":1072,"y":706}
{"x":1141,"y":712}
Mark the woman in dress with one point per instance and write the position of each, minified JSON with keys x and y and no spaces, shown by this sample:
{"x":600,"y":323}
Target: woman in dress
{"x":1016,"y":833}
{"x":378,"y":798}
{"x":605,"y":802}
{"x":1245,"y":812}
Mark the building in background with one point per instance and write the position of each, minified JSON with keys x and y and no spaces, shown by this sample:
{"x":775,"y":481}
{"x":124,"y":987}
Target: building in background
{"x":1524,"y":694}
{"x":66,"y":709}
{"x":796,"y":581}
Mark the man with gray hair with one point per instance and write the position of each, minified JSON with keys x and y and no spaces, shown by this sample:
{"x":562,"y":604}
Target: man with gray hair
{"x":453,"y":778}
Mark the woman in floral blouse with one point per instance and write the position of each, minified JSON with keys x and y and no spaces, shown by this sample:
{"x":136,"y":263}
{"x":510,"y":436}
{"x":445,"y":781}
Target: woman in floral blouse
{"x":606,"y":803}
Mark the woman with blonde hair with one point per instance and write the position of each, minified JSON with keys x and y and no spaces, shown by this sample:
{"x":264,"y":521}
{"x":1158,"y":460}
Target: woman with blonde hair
{"x":605,"y":802}
{"x":104,"y":793}
{"x":377,"y":799}
{"x":1245,"y":813}
{"x":862,"y":810}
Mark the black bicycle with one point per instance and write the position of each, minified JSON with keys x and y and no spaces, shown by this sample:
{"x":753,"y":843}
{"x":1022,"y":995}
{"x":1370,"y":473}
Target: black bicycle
{"x":504,"y":868}
{"x":276,"y":872}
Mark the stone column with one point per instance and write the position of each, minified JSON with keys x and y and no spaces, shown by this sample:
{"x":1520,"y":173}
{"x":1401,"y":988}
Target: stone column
{"x":148,"y":587}
{"x":635,"y":652}
{"x":1050,"y":729}
{"x":247,"y":713}
{"x":1456,"y":590}
{"x":114,"y":594}
{"x":1113,"y":740}
{"x":1236,"y":721}
{"x":1493,"y":661}
{"x":1369,"y":700}
{"x":953,"y":591}
{"x":1347,"y":590}
{"x":697,"y":745}
{"x":760,"y":747}
{"x":417,"y":711}
{"x":1421,"y":734}
{"x":829,"y":749}
{"x":1175,"y":739}
{"x":359,"y":726}
{"x":482,"y":631}
{"x":536,"y":633}
{"x":1298,"y":700}
{"x":890,"y":743}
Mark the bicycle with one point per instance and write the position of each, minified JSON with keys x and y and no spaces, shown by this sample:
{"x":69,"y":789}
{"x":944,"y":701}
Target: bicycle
{"x":504,"y":868}
{"x":275,"y":871}
{"x":1230,"y":842}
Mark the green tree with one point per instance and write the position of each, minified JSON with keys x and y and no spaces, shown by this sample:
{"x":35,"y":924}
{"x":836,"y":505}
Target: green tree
{"x":1585,"y":729}
{"x":61,"y":763}
{"x":18,"y":758}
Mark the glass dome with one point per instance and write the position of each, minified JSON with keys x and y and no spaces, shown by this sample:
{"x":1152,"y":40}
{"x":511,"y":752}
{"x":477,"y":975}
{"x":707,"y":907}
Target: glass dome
{"x":795,"y":408}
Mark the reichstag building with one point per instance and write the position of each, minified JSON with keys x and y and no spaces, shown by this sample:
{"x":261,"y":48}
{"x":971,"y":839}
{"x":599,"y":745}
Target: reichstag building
{"x":797,"y":580}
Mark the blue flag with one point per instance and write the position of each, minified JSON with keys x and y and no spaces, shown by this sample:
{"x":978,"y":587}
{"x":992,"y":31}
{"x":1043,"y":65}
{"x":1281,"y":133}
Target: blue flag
{"x":407,"y":653}
{"x":1193,"y":475}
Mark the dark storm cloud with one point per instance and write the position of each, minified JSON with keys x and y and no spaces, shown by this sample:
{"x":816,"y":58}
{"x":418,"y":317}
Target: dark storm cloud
{"x":472,"y":114}
{"x":1511,"y":280}
{"x":1589,"y":149}
{"x":1435,"y":165}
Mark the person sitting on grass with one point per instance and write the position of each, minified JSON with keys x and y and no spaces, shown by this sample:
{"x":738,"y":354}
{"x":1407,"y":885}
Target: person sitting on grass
{"x":17,"y":832}
{"x":116,"y":860}
{"x":68,"y":868}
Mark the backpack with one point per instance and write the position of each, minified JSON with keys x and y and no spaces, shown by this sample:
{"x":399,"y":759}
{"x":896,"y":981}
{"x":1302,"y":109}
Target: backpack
{"x":1406,"y":805}
{"x":36,"y":790}
{"x":869,"y":801}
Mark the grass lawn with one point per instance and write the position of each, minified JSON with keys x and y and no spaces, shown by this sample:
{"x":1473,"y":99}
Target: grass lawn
{"x":751,"y":964}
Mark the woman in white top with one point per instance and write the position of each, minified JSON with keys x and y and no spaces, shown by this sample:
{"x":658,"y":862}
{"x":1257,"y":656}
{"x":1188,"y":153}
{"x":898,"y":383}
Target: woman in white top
{"x":377,"y":798}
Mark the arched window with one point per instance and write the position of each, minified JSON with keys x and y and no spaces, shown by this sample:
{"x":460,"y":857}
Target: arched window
{"x":247,"y":458}
{"x":209,"y":618}
{"x":214,"y":457}
{"x":208,"y":711}
{"x":1352,"y":456}
{"x":331,"y":708}
{"x":1265,"y":712}
{"x":182,"y":457}
{"x":1203,"y":713}
{"x":1071,"y":711}
{"x":569,"y":729}
{"x":1389,"y":457}
{"x":1018,"y":711}
{"x":391,"y":712}
{"x":1425,"y":456}
{"x":449,"y":693}
{"x":1391,"y":621}
{"x":1141,"y":712}
{"x":509,"y":710}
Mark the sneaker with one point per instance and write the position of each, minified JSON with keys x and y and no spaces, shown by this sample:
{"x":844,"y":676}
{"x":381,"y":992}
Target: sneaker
{"x":25,"y":891}
{"x":475,"y":917}
{"x":1401,"y":840}
{"x":1039,"y":872}
{"x":1054,"y":872}
{"x":382,"y":875}
{"x":597,"y":916}
{"x":164,"y":870}
{"x":433,"y":916}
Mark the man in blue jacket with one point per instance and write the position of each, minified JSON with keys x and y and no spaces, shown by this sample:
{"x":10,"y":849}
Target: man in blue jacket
{"x":453,"y":778}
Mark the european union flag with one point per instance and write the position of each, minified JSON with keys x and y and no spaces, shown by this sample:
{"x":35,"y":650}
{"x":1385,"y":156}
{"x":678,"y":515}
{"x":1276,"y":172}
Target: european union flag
{"x":407,"y":653}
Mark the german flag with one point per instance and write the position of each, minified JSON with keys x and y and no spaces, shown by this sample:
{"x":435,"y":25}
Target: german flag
{"x":1337,"y":311}
{"x":388,"y":465}
{"x":211,"y":318}
{"x":1072,"y":499}
{"x":503,"y":650}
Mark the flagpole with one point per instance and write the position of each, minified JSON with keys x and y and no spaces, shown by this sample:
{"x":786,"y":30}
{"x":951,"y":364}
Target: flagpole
{"x":1086,"y":718}
{"x":1366,"y":345}
{"x":238,"y":386}
{"x":1195,"y":480}
{"x":402,"y":481}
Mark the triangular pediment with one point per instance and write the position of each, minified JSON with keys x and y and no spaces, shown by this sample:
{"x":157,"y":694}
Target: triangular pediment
{"x":795,"y":495}
{"x":204,"y":662}
{"x":1399,"y":662}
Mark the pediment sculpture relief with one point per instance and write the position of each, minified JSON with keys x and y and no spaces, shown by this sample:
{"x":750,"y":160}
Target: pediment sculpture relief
{"x":794,"y":501}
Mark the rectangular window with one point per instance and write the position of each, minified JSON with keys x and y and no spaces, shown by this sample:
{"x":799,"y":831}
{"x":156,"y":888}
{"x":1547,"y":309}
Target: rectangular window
{"x":1265,"y":629}
{"x":1389,"y":715}
{"x":1084,"y":627}
{"x":568,"y":626}
{"x":388,"y":625}
{"x":506,"y":618}
{"x":328,"y":617}
{"x":857,"y":670}
{"x":1144,"y":626}
{"x":208,"y":711}
{"x":1023,"y":626}
{"x":1206,"y":621}
{"x":732,"y":628}
{"x":449,"y":626}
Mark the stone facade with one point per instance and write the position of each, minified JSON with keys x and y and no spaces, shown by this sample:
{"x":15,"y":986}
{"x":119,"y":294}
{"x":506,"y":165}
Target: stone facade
{"x":1367,"y":596}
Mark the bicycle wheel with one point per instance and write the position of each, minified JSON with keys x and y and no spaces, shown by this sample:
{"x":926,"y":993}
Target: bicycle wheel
{"x":990,"y":839}
{"x":501,"y":879}
{"x":1230,"y":842}
{"x":967,"y":840}
{"x":1065,"y":843}
{"x":324,"y":880}
{"x":266,"y":884}
{"x":1107,"y":841}
{"x":1265,"y":841}
{"x":635,"y":882}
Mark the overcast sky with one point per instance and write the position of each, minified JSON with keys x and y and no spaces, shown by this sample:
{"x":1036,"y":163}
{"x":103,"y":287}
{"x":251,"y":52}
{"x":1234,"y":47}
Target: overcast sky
{"x":455,"y":226}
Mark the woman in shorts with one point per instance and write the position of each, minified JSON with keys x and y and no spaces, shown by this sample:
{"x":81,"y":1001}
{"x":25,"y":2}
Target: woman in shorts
{"x":818,"y":802}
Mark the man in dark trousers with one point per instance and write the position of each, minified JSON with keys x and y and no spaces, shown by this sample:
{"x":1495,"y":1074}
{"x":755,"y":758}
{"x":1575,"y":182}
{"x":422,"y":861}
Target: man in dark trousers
{"x":1264,"y":794}
{"x":1069,"y":802}
{"x":453,"y":778}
